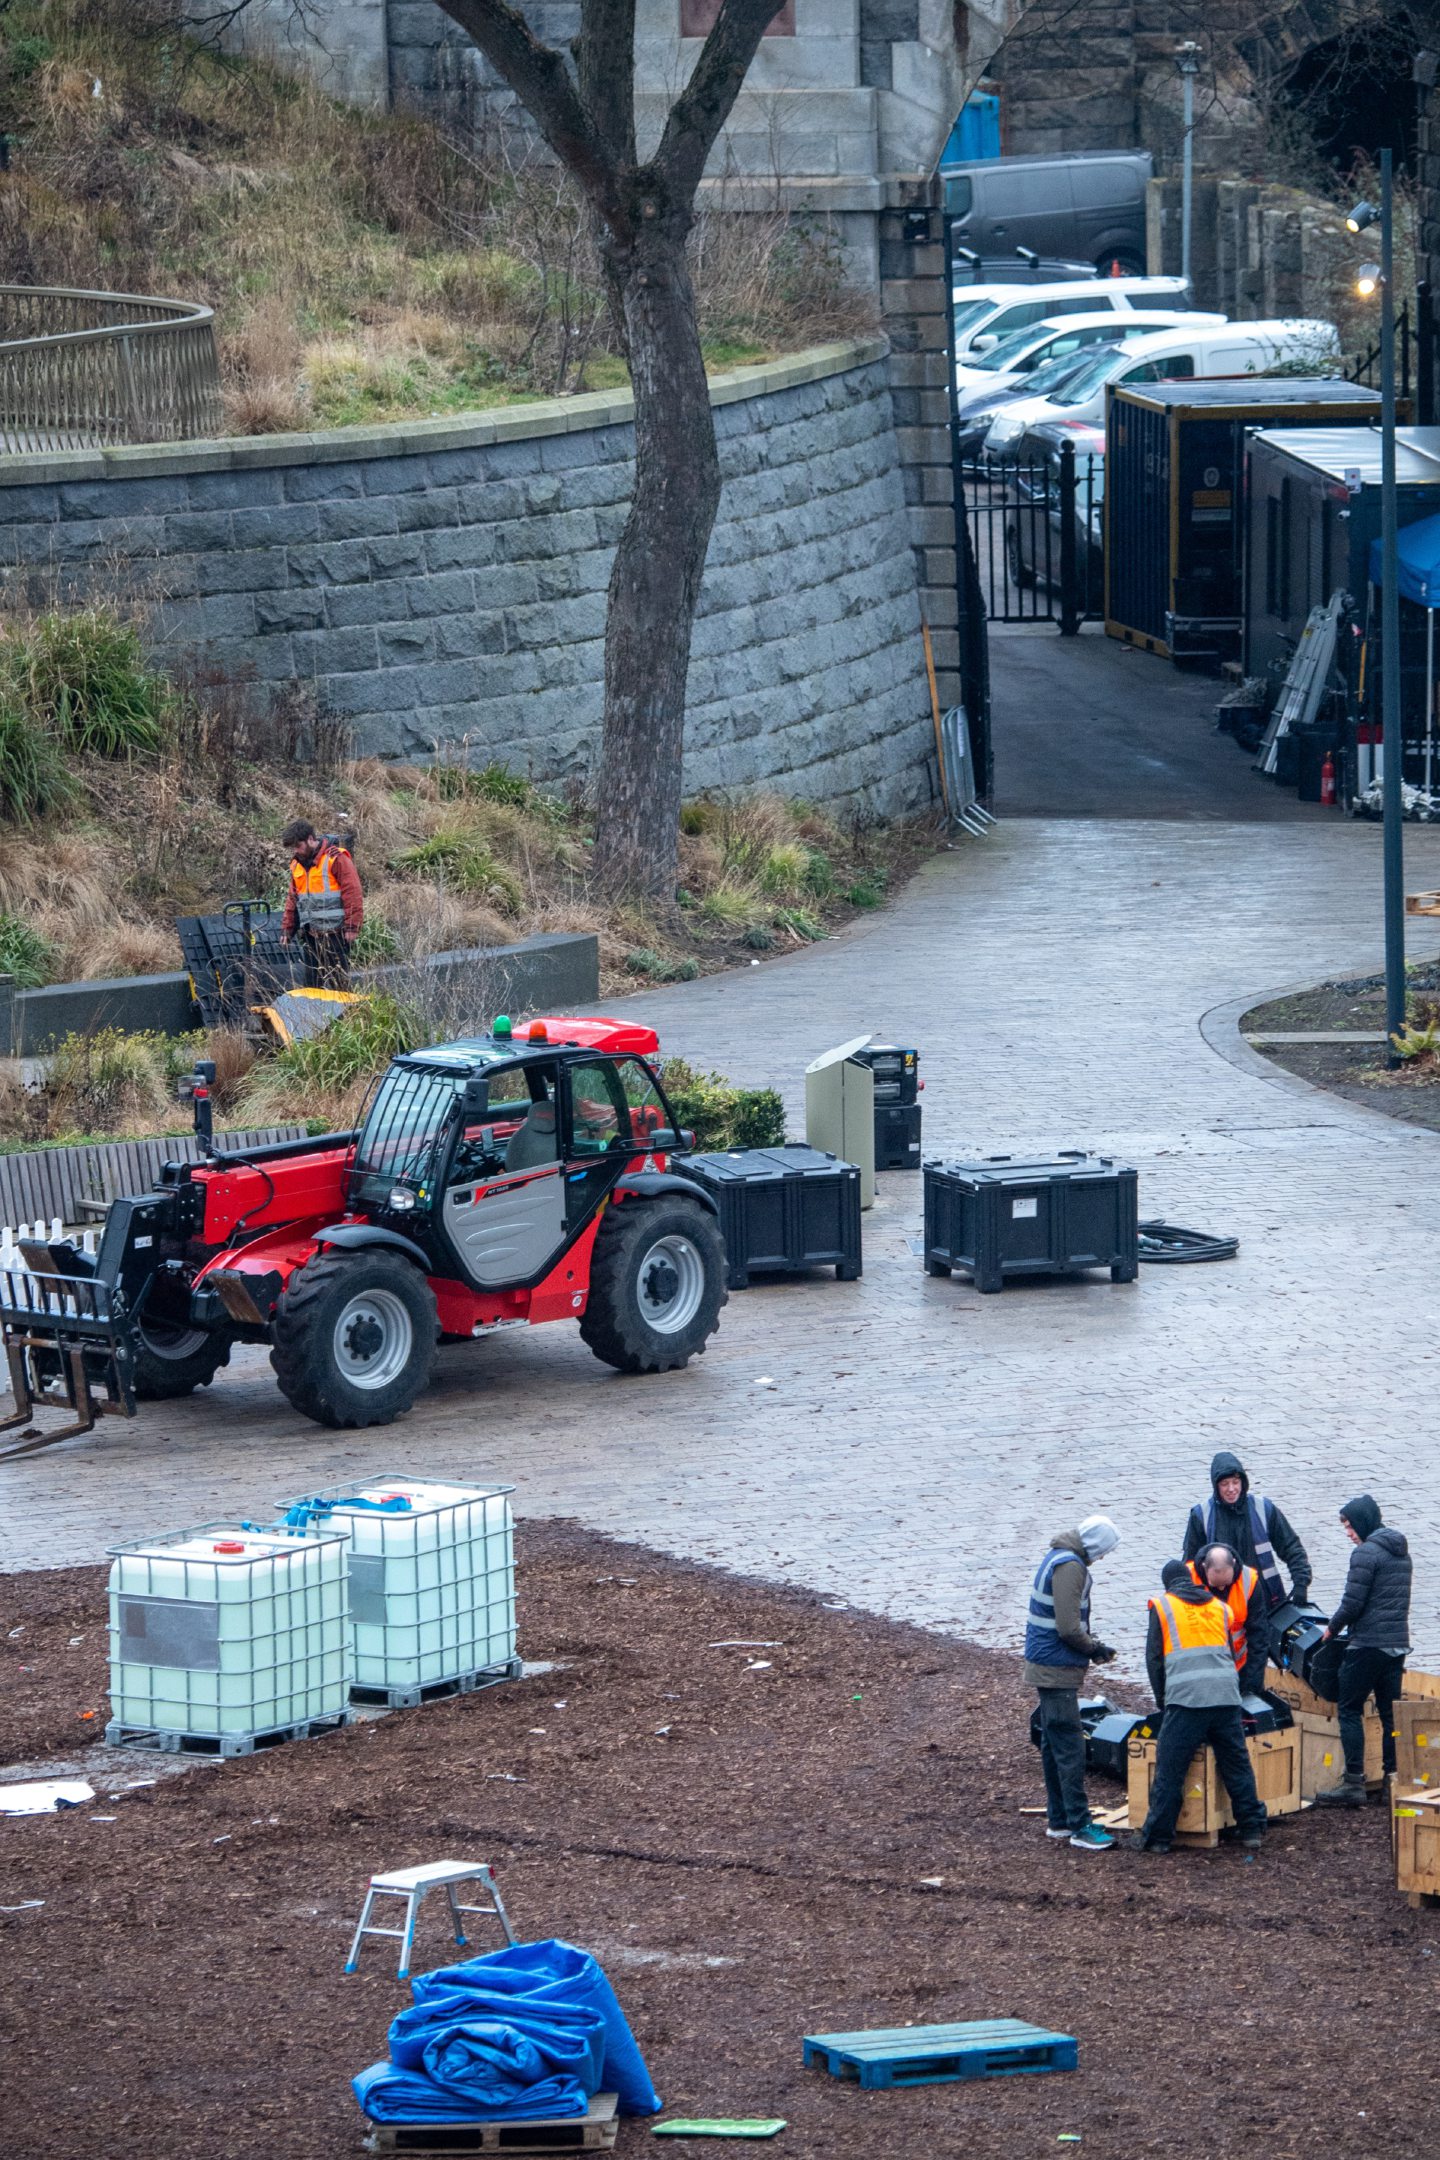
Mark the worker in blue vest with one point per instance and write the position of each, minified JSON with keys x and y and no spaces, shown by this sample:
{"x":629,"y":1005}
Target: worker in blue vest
{"x":1059,"y":1649}
{"x":1254,"y":1529}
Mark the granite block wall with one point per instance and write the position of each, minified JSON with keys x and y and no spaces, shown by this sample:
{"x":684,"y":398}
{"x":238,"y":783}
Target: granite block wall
{"x":445,"y":583}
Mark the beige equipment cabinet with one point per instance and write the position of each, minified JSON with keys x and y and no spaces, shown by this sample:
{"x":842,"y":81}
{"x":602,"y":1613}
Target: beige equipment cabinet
{"x":840,"y":1111}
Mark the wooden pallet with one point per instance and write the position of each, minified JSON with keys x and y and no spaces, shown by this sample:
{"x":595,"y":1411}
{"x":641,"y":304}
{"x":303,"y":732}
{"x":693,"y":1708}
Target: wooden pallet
{"x":411,"y":1697}
{"x":594,"y":2131}
{"x":224,"y":1745}
{"x":941,"y":2054}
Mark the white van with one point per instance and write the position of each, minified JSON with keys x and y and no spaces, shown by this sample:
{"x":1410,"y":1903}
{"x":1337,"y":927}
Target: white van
{"x":1235,"y":348}
{"x":1006,"y":364}
{"x":986,"y":313}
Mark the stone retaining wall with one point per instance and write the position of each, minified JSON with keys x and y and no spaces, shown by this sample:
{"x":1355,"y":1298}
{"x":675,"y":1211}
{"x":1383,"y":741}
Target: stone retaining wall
{"x":444,"y":582}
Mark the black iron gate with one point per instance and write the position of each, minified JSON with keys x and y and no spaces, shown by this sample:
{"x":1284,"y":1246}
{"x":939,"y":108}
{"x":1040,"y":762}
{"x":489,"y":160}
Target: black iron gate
{"x":1036,"y":532}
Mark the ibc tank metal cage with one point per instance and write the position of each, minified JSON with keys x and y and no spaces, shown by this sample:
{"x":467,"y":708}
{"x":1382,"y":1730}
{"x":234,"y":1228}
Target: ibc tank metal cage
{"x":431,"y":1587}
{"x":224,"y":1639}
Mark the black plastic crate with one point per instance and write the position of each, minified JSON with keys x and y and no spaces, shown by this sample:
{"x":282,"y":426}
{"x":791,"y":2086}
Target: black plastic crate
{"x":897,"y":1136}
{"x":782,"y":1209}
{"x":1005,"y":1217}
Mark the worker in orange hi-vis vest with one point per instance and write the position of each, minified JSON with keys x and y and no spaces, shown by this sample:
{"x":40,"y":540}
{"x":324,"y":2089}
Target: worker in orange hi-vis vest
{"x":324,"y":907}
{"x":1190,"y":1658}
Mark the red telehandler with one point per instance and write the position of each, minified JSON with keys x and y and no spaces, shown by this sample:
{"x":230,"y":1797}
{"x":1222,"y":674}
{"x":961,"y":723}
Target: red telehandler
{"x":497,"y":1181}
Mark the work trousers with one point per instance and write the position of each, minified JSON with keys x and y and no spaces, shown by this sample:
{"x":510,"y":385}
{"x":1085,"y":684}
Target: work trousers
{"x":1182,"y":1733}
{"x":1364,"y":1673}
{"x":1062,"y":1755}
{"x":327,"y":959}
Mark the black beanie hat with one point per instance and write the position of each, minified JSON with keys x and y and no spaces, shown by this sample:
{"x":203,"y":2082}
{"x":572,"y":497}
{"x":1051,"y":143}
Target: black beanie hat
{"x":1173,"y":1573}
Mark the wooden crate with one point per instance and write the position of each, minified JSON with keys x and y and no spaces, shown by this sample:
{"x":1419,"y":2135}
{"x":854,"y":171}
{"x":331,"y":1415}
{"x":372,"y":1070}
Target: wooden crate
{"x":1416,"y":1817}
{"x":1289,"y":1688}
{"x":1322,"y":1759}
{"x":1417,"y":1740}
{"x":1415,"y":1684}
{"x":1205,"y":1810}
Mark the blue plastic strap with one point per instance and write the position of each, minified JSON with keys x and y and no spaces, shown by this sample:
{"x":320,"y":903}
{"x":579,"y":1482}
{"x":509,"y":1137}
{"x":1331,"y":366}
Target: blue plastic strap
{"x":317,"y":1508}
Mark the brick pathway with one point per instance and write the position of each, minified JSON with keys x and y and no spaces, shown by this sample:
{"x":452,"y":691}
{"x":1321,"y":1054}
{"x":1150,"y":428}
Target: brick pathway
{"x":913,"y":1444}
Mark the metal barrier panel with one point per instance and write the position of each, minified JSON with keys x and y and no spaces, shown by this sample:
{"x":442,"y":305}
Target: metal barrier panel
{"x":79,"y":370}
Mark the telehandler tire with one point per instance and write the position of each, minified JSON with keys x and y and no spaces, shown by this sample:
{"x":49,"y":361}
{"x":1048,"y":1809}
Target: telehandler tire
{"x":354,"y":1337}
{"x":657,"y":1283}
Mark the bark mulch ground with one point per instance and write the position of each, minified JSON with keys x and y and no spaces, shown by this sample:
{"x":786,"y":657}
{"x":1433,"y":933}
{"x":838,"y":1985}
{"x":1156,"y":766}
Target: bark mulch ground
{"x":1358,"y":1071}
{"x":744,"y":1849}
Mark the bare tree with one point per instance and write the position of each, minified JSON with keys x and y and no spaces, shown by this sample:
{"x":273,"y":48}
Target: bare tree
{"x":643,"y":212}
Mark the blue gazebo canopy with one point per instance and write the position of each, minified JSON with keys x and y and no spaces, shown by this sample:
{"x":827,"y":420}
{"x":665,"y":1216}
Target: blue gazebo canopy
{"x":1418,"y":547}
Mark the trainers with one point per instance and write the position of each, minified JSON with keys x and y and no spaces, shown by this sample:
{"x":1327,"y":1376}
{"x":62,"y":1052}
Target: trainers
{"x":1092,"y":1839}
{"x":1062,"y":1832}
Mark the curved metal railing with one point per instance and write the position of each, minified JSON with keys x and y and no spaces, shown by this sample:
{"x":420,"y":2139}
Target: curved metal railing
{"x":81,"y":369}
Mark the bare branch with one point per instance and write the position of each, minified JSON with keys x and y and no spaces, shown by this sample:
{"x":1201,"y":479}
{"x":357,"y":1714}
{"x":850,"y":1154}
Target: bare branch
{"x":541,"y":81}
{"x":605,"y":66}
{"x":704,"y":105}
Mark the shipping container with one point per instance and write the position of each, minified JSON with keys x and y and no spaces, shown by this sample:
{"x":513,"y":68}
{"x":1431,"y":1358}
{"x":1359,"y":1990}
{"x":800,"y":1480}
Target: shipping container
{"x":1175,"y":491}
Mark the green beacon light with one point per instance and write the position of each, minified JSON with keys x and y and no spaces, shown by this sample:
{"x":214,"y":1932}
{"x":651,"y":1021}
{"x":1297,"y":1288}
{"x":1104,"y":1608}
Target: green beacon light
{"x":502,"y":1030}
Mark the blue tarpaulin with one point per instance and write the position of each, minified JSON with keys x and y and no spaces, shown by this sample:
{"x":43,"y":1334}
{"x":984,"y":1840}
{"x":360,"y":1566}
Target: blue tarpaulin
{"x":533,"y":2030}
{"x":1418,"y":547}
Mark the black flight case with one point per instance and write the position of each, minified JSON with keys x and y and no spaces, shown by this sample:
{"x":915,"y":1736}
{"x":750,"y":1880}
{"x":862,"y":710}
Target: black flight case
{"x":782,"y":1209}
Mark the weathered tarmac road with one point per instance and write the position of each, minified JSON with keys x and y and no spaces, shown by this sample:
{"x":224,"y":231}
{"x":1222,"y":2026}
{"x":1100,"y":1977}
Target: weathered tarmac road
{"x":904,"y":1442}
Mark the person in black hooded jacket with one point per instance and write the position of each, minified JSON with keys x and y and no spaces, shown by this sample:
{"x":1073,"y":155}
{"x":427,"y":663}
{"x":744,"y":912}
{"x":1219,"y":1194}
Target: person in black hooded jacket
{"x":1251,"y":1526}
{"x":1375,"y":1610}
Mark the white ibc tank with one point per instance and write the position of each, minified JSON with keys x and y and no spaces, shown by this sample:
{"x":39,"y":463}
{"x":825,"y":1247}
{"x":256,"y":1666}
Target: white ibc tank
{"x":223,"y":1631}
{"x":432,"y":1585}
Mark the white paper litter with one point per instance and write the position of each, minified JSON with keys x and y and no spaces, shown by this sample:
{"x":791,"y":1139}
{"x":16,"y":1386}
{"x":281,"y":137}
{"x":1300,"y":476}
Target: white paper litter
{"x":42,"y":1797}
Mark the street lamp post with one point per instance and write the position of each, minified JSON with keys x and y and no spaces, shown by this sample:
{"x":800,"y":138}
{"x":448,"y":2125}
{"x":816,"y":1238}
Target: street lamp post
{"x":1392,"y":747}
{"x":1187,"y":60}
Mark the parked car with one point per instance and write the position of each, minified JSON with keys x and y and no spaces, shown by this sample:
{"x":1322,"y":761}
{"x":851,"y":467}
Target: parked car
{"x":986,"y":313}
{"x":974,"y":422}
{"x":1006,"y":365}
{"x":1237,"y":348}
{"x":1089,"y":205}
{"x":1026,"y":268}
{"x":1035,"y":514}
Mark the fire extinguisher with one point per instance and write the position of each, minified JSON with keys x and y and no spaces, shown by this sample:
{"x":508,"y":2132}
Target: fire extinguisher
{"x":1327,"y":779}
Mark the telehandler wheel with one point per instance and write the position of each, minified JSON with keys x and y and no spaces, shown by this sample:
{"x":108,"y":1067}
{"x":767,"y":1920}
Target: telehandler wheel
{"x":354,"y":1337}
{"x":172,"y":1358}
{"x":657,"y":1283}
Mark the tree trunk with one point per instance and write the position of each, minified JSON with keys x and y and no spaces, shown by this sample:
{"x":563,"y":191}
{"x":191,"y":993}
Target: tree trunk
{"x":655,"y":582}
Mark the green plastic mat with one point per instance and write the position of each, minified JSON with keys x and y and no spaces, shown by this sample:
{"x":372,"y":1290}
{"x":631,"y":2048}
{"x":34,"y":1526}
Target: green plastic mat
{"x":745,"y":2126}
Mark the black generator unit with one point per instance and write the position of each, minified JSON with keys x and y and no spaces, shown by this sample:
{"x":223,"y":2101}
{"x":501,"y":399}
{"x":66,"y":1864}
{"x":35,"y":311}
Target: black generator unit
{"x":1302,"y":1648}
{"x":1003,"y":1217}
{"x":1108,"y":1733}
{"x":896,"y":1073}
{"x":896,"y":1070}
{"x":782,"y":1210}
{"x":897,"y":1136}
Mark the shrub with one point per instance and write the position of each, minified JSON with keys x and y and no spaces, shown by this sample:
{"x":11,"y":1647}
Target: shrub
{"x":727,"y":905}
{"x":719,"y":1114}
{"x":33,"y":781}
{"x":786,"y":868}
{"x":107,"y":1082}
{"x":462,"y":860}
{"x":376,"y":943}
{"x":799,"y":923}
{"x":353,"y":1048}
{"x":82,"y":676}
{"x":866,"y":892}
{"x":24,"y":955}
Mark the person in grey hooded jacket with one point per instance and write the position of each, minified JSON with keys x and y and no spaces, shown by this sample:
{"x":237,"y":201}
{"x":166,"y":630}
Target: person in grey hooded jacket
{"x":1374,"y":1616}
{"x":1059,"y":1648}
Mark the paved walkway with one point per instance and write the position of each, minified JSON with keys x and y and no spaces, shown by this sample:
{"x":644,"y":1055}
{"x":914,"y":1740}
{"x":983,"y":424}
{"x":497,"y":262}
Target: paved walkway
{"x":905,"y":1443}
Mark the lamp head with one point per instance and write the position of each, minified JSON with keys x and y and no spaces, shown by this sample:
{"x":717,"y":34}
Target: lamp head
{"x":1368,"y":280}
{"x":1363,"y":214}
{"x":1187,"y":57}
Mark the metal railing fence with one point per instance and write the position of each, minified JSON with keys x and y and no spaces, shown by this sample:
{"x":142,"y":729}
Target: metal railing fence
{"x":79,"y":370}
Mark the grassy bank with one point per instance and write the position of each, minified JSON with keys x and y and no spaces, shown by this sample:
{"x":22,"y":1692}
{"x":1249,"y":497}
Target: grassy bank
{"x":362,"y":266}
